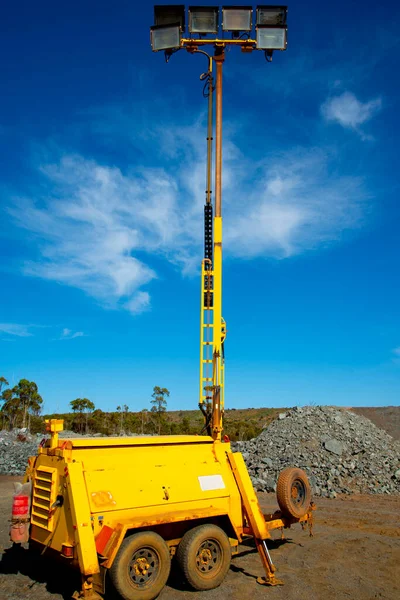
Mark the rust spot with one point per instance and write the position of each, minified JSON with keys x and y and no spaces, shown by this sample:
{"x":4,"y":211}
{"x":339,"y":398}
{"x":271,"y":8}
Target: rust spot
{"x":103,"y":498}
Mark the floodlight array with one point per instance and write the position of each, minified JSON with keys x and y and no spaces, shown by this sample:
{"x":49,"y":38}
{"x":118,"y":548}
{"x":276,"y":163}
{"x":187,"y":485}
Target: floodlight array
{"x":204,"y":21}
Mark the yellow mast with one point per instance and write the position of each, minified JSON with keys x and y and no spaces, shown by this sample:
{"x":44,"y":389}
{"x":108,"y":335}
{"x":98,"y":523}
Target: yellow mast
{"x":212,"y":326}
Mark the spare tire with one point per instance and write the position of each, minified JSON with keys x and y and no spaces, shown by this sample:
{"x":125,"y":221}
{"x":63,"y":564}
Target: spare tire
{"x":293,"y":493}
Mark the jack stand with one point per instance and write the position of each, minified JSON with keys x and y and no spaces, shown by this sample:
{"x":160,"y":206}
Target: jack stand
{"x":272,"y":580}
{"x":87,"y":592}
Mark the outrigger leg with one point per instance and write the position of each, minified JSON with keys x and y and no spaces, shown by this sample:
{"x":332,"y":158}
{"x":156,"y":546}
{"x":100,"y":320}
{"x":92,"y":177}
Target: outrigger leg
{"x":254,"y":516}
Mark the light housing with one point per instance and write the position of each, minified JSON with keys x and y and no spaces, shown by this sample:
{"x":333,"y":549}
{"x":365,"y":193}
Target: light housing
{"x":170,"y":14}
{"x":271,"y":15}
{"x":203,"y":19}
{"x":237,"y":18}
{"x":67,"y":550}
{"x":271,"y":38}
{"x":165,"y":37}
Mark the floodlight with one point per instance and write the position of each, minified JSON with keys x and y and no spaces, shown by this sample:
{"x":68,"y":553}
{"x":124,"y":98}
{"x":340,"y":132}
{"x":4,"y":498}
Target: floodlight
{"x":165,"y":37}
{"x":271,"y":38}
{"x":170,"y":14}
{"x":203,"y":19}
{"x":271,"y":15}
{"x":236,"y":18}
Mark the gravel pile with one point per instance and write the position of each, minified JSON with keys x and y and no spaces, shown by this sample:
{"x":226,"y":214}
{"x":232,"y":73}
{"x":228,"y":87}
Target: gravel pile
{"x":15,"y":447}
{"x":341,"y":452}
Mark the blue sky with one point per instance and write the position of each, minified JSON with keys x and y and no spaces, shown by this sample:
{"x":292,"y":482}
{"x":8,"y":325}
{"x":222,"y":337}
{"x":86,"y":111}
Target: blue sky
{"x":102,"y":189}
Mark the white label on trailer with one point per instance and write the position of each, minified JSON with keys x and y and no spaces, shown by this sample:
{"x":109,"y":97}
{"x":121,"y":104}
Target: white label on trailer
{"x":211,"y":482}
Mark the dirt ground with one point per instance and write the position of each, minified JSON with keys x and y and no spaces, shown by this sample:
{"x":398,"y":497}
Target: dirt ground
{"x":354,"y":554}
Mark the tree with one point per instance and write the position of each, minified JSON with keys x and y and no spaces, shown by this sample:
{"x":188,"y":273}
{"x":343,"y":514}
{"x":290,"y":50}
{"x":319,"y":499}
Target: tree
{"x":3,"y":383}
{"x":144,"y":418}
{"x":159,"y":404}
{"x":123,"y":410}
{"x":81,"y":406}
{"x":30,"y":400}
{"x":10,"y":409}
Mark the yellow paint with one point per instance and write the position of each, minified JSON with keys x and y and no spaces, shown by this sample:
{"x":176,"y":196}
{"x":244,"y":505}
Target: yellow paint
{"x":103,"y":482}
{"x":134,"y":483}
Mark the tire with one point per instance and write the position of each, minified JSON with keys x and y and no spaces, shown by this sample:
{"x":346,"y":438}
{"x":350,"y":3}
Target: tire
{"x":293,"y":493}
{"x":142,"y":565}
{"x":204,"y":555}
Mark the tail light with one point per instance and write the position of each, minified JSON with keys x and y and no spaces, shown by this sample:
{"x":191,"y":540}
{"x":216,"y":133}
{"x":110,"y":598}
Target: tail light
{"x":67,"y":551}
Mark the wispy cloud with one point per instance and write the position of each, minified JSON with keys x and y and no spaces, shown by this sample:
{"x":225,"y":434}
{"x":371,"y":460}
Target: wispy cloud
{"x":68,"y":334}
{"x":16,"y":329}
{"x":350,"y":112}
{"x":396,"y":351}
{"x":98,"y":227}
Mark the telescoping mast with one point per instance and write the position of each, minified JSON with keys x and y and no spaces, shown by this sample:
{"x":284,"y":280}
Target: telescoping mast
{"x":167,"y":36}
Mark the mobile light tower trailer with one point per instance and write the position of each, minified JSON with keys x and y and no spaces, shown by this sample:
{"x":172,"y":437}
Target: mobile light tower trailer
{"x":127,"y":505}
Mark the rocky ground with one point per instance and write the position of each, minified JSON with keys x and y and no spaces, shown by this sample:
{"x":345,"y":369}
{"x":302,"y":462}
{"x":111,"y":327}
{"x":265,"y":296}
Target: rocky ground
{"x":341,"y":452}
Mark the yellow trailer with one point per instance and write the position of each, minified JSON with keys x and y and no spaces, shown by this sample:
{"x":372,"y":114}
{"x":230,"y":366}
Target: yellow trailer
{"x":126,"y":506}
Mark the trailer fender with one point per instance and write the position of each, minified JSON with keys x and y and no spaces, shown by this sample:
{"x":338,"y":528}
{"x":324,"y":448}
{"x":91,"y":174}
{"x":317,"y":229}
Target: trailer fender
{"x":109,"y":541}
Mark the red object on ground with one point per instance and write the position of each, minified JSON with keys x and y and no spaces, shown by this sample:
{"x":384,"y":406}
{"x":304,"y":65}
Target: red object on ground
{"x":19,"y":530}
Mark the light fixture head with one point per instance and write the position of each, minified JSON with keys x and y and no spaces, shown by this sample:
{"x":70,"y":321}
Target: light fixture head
{"x":165,"y":37}
{"x":271,"y":38}
{"x":203,"y":19}
{"x":170,"y":14}
{"x":237,"y":18}
{"x":271,"y":15}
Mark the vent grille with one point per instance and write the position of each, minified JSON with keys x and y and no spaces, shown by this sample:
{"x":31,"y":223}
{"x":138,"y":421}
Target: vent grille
{"x":43,"y":497}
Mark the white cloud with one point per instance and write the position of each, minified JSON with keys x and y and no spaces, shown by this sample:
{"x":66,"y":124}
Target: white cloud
{"x":68,"y":334}
{"x":98,"y":227}
{"x":139,"y":303}
{"x":349,"y":112}
{"x":16,"y":329}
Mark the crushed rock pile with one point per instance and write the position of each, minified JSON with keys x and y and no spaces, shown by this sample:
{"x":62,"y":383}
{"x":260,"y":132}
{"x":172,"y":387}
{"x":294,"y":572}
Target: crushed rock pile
{"x":17,"y":445}
{"x":341,"y":452}
{"x":15,"y":448}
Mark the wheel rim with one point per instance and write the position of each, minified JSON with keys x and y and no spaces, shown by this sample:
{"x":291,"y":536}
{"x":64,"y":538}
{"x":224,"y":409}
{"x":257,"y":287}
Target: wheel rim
{"x":144,"y":567}
{"x":208,"y":558}
{"x":298,"y":493}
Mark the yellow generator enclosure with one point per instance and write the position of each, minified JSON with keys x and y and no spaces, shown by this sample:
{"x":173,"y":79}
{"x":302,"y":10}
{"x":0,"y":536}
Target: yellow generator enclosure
{"x":127,"y":505}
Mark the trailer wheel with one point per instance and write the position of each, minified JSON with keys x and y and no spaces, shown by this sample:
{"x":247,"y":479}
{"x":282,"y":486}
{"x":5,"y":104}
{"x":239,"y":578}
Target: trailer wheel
{"x":204,"y":555}
{"x":293,"y":492}
{"x":142,"y":565}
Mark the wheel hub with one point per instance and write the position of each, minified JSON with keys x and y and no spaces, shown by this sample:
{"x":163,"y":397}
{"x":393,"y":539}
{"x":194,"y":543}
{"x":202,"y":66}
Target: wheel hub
{"x":141,"y":566}
{"x":205,"y":556}
{"x":144,"y":567}
{"x":208,"y":556}
{"x":298,"y":492}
